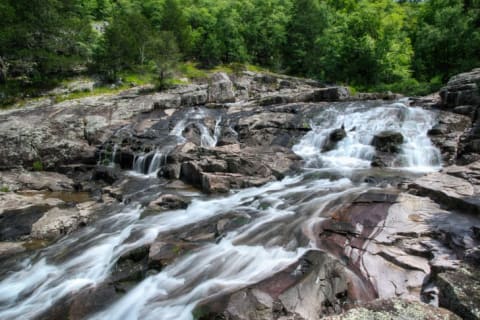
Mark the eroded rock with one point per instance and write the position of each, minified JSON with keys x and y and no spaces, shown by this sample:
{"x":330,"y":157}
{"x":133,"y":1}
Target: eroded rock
{"x":233,"y":166}
{"x":315,"y":285}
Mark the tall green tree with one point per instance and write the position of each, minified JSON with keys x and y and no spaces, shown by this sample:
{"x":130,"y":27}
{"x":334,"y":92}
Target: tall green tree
{"x":43,"y":37}
{"x":447,"y":39}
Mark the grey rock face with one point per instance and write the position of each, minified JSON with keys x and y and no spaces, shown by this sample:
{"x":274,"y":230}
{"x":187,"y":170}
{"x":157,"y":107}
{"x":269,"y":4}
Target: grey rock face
{"x":462,"y":89}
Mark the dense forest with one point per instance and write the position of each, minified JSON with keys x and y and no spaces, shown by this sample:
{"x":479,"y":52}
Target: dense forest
{"x":407,"y":46}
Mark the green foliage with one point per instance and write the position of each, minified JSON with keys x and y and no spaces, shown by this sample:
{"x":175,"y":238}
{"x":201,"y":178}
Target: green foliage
{"x":410,"y":46}
{"x":103,"y":90}
{"x":447,"y":38}
{"x":191,"y":71}
{"x":4,"y":189}
{"x":37,"y":166}
{"x":39,"y":38}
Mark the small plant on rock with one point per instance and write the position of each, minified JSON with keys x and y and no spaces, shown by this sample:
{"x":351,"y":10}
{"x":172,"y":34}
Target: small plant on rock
{"x":37,"y":166}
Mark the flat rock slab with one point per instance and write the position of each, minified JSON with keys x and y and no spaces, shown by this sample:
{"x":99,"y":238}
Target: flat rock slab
{"x":451,"y":191}
{"x":395,"y":309}
{"x":394,"y":240}
{"x":28,"y":180}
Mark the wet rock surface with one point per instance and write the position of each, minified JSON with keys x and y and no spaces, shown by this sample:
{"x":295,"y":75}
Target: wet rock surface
{"x":165,"y":157}
{"x":388,"y":141}
{"x":314,"y":286}
{"x":223,"y":168}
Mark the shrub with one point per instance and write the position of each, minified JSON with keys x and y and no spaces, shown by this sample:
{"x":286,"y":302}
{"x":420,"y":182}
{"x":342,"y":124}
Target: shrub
{"x":37,"y":166}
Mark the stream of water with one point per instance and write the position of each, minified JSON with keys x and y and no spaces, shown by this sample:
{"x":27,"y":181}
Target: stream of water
{"x":279,"y":233}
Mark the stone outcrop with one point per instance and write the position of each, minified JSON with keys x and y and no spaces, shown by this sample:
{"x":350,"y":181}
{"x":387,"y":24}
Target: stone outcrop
{"x":462,"y":96}
{"x":43,"y":216}
{"x":315,"y":285}
{"x":447,"y":134}
{"x":462,"y":89}
{"x":388,"y":141}
{"x":456,"y":187}
{"x":460,"y":292}
{"x":18,"y":180}
{"x":405,"y":236}
{"x":220,"y":169}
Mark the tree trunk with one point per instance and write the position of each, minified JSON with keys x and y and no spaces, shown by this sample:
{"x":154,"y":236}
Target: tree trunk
{"x":3,"y":71}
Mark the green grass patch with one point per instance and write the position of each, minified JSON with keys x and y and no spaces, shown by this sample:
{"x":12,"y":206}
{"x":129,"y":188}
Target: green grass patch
{"x":4,"y":189}
{"x":138,"y":78}
{"x":190,"y":70}
{"x":95,"y":92}
{"x":254,"y":68}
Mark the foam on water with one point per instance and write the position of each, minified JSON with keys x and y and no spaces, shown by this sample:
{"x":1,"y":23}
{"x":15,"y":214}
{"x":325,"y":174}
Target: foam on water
{"x":361,"y":124}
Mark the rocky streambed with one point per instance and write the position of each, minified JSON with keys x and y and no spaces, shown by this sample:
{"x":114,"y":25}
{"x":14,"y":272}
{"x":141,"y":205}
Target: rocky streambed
{"x":250,"y":196}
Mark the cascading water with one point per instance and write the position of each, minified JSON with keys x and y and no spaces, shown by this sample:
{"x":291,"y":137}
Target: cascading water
{"x":114,"y":155}
{"x":280,"y":212}
{"x":149,"y":163}
{"x":196,"y":117}
{"x":361,"y":124}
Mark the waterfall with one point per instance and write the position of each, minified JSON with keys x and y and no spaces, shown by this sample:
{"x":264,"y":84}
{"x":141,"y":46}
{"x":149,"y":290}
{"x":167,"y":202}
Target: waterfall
{"x":279,"y":214}
{"x":361,"y":124}
{"x":114,"y":154}
{"x":196,"y":117}
{"x":149,"y":163}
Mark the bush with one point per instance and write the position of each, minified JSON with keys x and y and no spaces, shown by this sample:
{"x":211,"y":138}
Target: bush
{"x":37,"y":166}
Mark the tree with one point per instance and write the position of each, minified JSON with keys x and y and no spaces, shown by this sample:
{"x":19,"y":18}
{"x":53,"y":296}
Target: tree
{"x":164,"y":54}
{"x":41,"y":38}
{"x":175,"y":21}
{"x":308,"y":22}
{"x":447,"y":39}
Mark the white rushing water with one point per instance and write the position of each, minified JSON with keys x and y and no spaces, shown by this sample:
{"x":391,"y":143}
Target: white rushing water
{"x":197,"y":118}
{"x":149,"y":163}
{"x":282,"y":211}
{"x":361,"y":124}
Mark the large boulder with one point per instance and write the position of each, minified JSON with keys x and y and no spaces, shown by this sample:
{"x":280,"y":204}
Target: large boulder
{"x":220,"y":89}
{"x":193,"y":96}
{"x":168,"y":202}
{"x":328,"y":94}
{"x":388,"y":141}
{"x":462,"y":89}
{"x":333,"y":138}
{"x":232,"y":166}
